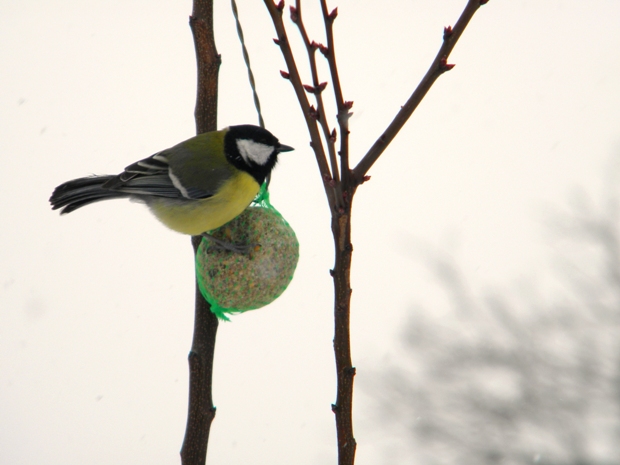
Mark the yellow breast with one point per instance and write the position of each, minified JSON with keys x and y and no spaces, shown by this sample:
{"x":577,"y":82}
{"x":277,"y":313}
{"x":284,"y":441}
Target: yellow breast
{"x":197,"y":216}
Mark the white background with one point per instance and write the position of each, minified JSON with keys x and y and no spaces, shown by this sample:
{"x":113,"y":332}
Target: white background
{"x":96,"y":308}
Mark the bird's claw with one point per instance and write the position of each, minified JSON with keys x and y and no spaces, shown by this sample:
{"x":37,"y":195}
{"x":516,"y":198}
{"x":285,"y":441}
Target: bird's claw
{"x":220,"y":244}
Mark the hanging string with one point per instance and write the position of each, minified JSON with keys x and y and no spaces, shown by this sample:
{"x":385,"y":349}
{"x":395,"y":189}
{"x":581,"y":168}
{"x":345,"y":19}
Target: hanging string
{"x":246,"y":57}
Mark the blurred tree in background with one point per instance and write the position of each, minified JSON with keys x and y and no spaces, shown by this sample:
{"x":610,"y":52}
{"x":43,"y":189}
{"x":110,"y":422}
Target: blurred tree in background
{"x":531,"y":379}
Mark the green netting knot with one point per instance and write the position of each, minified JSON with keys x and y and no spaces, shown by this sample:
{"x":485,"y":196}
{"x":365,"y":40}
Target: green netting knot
{"x":235,"y":283}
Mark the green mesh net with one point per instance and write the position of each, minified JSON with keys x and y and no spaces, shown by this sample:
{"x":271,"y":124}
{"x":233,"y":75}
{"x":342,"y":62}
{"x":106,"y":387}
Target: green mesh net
{"x":234,"y":283}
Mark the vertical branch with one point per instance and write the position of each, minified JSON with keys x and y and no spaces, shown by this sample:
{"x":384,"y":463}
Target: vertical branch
{"x":345,"y":371}
{"x":341,"y":215}
{"x":275,"y":11}
{"x":200,"y":405}
{"x":317,"y":86}
{"x":201,"y":411}
{"x":342,"y":106}
{"x":345,"y":187}
{"x":208,"y":65}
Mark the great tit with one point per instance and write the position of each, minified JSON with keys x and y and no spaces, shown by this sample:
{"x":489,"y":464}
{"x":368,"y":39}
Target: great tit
{"x":195,"y":186}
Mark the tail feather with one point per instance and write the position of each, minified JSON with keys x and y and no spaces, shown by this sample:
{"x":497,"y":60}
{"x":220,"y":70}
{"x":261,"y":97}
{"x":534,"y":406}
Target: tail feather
{"x":83,"y":191}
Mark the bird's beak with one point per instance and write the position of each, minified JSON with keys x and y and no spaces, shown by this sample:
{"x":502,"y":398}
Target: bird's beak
{"x":285,"y":148}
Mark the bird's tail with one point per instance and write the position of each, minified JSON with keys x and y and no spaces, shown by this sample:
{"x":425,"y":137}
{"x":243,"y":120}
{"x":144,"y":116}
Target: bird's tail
{"x":83,"y":191}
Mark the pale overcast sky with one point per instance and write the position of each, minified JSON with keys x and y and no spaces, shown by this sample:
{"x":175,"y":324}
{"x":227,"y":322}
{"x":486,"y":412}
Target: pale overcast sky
{"x":96,"y":308}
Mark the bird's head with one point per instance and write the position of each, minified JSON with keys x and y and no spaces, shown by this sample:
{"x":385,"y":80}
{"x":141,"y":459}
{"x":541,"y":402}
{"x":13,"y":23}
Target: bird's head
{"x":253,"y":149}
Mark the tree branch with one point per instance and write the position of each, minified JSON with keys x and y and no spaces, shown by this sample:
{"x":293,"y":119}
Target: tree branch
{"x":437,"y":68}
{"x":311,"y":48}
{"x":349,"y":180}
{"x":345,"y":371}
{"x":342,"y":106}
{"x":208,"y":65}
{"x":275,"y":11}
{"x":200,"y":405}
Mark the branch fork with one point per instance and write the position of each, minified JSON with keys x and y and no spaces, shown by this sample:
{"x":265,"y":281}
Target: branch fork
{"x":339,"y":181}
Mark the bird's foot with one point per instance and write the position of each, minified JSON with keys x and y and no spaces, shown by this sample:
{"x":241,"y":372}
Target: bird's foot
{"x":220,"y":244}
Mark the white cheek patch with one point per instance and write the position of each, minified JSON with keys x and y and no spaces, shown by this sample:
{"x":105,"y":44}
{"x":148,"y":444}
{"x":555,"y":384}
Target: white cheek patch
{"x":253,"y":151}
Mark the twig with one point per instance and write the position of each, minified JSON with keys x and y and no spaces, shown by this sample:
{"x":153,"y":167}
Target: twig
{"x":275,"y":11}
{"x":437,"y":68}
{"x":311,"y":48}
{"x":343,"y":107}
{"x":200,"y":405}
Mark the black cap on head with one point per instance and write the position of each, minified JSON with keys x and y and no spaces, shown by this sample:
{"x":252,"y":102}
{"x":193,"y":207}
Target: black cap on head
{"x":253,"y":149}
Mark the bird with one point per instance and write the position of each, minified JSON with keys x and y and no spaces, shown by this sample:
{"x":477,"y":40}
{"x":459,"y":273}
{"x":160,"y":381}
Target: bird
{"x":193,"y":187}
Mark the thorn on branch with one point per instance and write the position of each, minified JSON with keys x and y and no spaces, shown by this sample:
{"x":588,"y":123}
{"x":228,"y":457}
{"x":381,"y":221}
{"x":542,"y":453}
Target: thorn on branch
{"x":447,"y":32}
{"x":314,"y":113}
{"x":334,"y":13}
{"x":285,"y":75}
{"x":280,"y":6}
{"x":333,"y":136}
{"x":483,"y":2}
{"x":315,"y":90}
{"x":324,"y":50}
{"x":444,"y":65}
{"x":314,"y":45}
{"x":276,"y":41}
{"x":331,"y":273}
{"x":348,"y":104}
{"x":334,"y":408}
{"x":364,"y":179}
{"x":294,"y":14}
{"x":344,"y":115}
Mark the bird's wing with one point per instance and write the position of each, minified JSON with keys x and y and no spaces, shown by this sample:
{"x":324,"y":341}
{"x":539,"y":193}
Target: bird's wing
{"x":154,"y":176}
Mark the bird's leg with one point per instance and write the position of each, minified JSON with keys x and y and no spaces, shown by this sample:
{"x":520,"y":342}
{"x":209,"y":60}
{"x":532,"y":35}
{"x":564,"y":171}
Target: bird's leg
{"x":230,"y":246}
